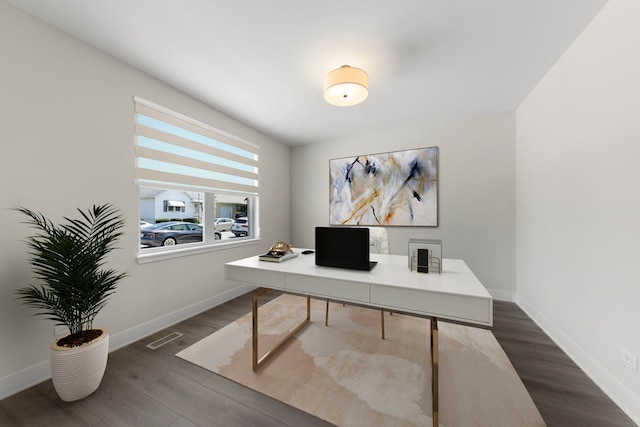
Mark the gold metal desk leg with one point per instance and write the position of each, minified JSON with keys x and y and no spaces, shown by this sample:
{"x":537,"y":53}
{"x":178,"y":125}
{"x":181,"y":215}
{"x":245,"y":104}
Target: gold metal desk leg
{"x":434,"y":369}
{"x":326,"y":314}
{"x":258,"y":362}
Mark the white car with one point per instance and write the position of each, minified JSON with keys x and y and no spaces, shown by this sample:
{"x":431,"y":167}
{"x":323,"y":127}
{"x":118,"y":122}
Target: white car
{"x":223,"y":224}
{"x":240,"y":227}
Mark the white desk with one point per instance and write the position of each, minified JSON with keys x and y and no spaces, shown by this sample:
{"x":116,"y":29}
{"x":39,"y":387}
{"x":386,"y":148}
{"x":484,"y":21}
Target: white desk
{"x":456,"y":294}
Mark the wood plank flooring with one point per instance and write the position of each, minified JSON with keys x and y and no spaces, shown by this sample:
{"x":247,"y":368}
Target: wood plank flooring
{"x":564,"y":395}
{"x":144,"y":387}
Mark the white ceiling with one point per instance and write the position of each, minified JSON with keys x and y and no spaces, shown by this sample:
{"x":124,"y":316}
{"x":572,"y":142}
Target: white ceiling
{"x":263,"y":62}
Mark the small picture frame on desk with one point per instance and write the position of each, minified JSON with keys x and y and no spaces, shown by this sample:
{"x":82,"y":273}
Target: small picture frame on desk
{"x":425,"y":255}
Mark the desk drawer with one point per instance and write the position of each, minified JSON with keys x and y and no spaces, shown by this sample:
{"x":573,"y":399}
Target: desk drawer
{"x":268,"y":279}
{"x":446,"y":306}
{"x":328,"y":288}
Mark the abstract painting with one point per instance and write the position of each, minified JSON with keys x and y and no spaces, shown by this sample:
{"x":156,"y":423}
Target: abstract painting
{"x":397,"y":188}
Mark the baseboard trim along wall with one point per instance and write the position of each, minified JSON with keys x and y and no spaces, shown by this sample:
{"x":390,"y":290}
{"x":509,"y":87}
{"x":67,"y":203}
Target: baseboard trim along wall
{"x":618,"y":392}
{"x":22,"y":380}
{"x":136,"y":333}
{"x":502,"y":295}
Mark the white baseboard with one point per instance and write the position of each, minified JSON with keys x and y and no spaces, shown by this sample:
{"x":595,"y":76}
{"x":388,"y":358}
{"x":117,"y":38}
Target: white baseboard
{"x":502,"y":295}
{"x":22,"y":380}
{"x":139,"y":332}
{"x":618,"y":392}
{"x":28,"y":377}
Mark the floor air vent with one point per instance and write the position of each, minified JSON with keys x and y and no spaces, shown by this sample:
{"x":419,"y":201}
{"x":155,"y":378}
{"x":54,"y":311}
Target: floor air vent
{"x":164,"y":340}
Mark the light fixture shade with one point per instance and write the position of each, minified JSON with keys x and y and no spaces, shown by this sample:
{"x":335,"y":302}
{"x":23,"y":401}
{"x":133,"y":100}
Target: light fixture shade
{"x":346,"y":86}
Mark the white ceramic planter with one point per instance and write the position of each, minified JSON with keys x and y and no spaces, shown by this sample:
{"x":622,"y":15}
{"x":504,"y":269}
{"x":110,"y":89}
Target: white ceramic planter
{"x":77,"y":372}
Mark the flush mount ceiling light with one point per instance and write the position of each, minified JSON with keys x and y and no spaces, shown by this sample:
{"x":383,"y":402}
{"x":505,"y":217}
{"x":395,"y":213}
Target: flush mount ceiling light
{"x":346,"y":86}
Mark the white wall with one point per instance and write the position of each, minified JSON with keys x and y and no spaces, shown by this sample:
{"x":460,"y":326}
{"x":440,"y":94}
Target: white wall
{"x":66,"y":129}
{"x":578,"y":201}
{"x":476,"y":191}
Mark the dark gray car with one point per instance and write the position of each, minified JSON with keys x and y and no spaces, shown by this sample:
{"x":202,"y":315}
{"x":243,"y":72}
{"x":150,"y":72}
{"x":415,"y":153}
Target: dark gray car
{"x":171,"y":233}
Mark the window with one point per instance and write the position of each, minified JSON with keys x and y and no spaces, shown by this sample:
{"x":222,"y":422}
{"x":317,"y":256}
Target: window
{"x":174,"y":206}
{"x":190,"y":175}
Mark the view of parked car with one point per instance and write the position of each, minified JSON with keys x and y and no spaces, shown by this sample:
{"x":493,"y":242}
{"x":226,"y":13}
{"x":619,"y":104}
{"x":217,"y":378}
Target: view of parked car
{"x":240,"y":227}
{"x":172,"y":233}
{"x":223,"y":224}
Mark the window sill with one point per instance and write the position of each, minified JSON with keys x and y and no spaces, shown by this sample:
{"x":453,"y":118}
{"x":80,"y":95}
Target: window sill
{"x":144,"y":258}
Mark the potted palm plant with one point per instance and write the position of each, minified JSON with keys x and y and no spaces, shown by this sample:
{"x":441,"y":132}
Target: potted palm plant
{"x":68,"y":259}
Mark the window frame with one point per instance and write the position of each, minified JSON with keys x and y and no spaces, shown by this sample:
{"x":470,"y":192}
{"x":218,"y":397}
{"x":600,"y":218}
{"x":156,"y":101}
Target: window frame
{"x":208,"y":243}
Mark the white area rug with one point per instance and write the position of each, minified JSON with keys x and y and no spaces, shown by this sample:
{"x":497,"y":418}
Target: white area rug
{"x":347,"y":375}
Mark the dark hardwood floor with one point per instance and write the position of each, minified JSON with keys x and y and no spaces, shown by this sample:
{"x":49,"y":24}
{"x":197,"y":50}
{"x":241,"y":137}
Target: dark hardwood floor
{"x":563,"y":393}
{"x":144,"y":387}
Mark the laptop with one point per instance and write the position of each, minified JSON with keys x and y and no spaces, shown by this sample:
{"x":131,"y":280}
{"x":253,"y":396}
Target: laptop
{"x":343,"y":247}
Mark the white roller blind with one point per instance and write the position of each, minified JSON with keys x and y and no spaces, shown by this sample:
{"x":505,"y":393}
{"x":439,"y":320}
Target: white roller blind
{"x":175,"y":151}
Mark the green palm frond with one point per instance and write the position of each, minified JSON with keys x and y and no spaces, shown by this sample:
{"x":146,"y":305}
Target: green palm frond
{"x":68,"y":259}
